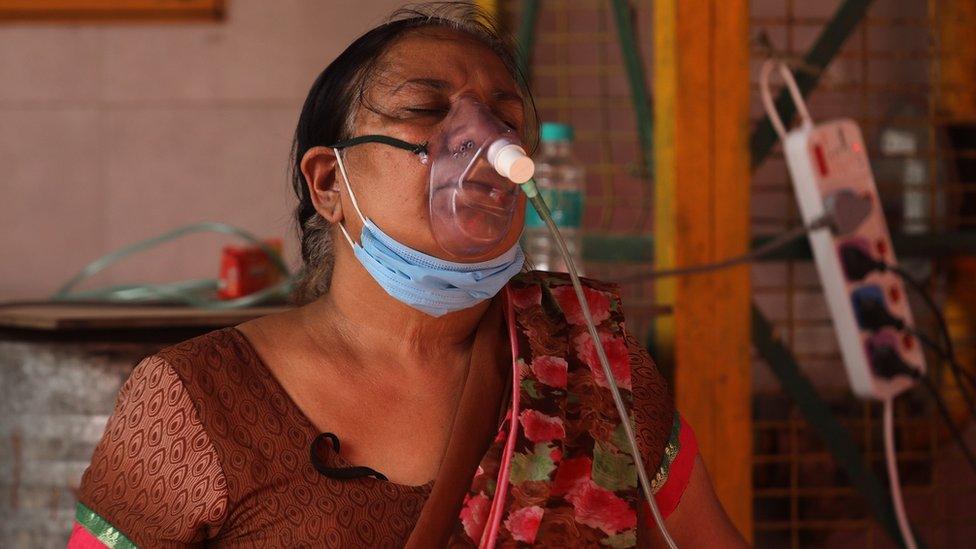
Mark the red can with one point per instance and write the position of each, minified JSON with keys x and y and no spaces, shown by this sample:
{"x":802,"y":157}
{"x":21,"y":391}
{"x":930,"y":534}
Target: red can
{"x":247,"y":269}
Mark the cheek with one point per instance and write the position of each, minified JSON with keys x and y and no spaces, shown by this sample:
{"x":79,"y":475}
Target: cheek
{"x":400,"y":195}
{"x":407,"y":186}
{"x":518,"y":220}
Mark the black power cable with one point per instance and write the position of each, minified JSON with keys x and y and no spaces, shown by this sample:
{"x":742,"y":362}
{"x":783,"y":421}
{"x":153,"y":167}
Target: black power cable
{"x":949,"y":352}
{"x":890,"y":365}
{"x":858,"y":264}
{"x":873,"y":315}
{"x":944,"y":412}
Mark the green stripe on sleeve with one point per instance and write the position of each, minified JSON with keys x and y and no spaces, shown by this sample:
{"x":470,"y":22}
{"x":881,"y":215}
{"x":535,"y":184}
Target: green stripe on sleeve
{"x":671,"y":450}
{"x":109,"y":535}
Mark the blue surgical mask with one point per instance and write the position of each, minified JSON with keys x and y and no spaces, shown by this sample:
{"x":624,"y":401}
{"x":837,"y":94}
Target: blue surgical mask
{"x":424,"y":282}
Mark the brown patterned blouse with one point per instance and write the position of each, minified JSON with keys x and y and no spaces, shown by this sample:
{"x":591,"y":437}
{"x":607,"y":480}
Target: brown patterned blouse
{"x":205,"y":444}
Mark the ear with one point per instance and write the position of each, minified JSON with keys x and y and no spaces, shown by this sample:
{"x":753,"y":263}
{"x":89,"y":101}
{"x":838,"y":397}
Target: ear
{"x":319,"y":168}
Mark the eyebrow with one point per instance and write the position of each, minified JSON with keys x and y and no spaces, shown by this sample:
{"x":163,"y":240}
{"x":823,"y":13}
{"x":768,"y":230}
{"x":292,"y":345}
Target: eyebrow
{"x":432,"y":83}
{"x":503,"y":95}
{"x":440,"y":85}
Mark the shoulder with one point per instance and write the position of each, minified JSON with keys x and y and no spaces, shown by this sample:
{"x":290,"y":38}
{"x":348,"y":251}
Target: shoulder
{"x":210,"y":349}
{"x":155,"y":474}
{"x":555,"y":293}
{"x":555,"y":279}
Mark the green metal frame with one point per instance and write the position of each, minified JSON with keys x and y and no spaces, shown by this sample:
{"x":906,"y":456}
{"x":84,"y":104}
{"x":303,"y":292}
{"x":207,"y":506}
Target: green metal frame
{"x":526,"y":36}
{"x":638,"y":85}
{"x":616,"y":248}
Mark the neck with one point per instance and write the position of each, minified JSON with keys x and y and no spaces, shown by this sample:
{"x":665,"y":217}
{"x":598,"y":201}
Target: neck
{"x":375,"y":327}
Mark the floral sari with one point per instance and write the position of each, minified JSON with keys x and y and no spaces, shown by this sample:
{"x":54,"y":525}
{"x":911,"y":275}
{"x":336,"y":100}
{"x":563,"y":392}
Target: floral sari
{"x":559,"y":473}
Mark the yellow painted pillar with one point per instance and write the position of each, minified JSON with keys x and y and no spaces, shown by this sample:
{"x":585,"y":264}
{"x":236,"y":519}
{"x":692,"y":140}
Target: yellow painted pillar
{"x":702,"y":175}
{"x":490,"y":7}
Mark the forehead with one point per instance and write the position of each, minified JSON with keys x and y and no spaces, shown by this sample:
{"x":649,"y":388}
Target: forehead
{"x":443,"y":54}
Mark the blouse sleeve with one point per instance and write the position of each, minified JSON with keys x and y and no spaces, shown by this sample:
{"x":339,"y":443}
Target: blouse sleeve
{"x":668,"y":443}
{"x":155,"y":477}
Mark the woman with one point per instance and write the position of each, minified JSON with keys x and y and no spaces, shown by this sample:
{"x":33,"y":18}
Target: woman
{"x":469,"y":411}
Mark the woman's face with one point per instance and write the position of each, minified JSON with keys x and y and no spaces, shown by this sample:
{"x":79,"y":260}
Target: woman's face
{"x":413,"y":88}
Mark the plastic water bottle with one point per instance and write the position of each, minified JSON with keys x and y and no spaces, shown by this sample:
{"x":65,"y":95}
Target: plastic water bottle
{"x":559,"y":178}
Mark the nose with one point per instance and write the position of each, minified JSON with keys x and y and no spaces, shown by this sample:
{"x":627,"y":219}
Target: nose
{"x":469,"y":122}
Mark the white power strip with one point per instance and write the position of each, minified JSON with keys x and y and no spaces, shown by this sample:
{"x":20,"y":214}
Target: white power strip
{"x":826,"y":161}
{"x":832,"y":174}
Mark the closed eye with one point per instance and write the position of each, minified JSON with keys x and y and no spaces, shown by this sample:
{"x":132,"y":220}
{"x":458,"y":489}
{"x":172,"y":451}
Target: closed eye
{"x":427,"y":111}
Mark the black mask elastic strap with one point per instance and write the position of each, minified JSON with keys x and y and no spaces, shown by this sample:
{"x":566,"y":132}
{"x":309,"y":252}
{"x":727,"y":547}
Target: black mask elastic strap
{"x":342,"y":473}
{"x":420,"y":148}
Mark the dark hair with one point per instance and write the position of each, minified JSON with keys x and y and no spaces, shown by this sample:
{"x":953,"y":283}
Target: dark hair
{"x":329,"y":110}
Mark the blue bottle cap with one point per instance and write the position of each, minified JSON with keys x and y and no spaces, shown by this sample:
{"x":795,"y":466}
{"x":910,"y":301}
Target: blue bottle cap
{"x":555,"y":131}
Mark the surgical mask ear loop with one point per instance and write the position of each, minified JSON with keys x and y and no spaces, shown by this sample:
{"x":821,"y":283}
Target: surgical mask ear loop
{"x":352,"y":197}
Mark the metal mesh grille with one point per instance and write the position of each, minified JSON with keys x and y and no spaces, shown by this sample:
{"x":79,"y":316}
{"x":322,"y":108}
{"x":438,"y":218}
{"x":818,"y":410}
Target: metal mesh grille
{"x":886,"y":78}
{"x":578,"y":77}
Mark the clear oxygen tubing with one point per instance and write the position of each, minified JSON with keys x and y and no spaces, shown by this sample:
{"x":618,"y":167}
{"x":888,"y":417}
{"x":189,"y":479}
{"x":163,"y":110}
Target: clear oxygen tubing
{"x":186,"y":292}
{"x":645,"y":482}
{"x":893,"y":482}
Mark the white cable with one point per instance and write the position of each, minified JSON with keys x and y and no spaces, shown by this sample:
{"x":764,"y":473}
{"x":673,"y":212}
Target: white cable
{"x":889,"y":442}
{"x":767,"y":99}
{"x":645,"y":481}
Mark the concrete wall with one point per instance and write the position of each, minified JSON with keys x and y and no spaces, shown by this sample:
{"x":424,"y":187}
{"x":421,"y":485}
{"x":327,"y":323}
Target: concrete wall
{"x":55,"y":399}
{"x":110,"y":133}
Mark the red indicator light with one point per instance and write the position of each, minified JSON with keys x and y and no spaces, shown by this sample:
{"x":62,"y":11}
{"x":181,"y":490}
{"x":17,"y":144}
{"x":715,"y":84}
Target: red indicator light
{"x":894,"y":294}
{"x":818,"y":153}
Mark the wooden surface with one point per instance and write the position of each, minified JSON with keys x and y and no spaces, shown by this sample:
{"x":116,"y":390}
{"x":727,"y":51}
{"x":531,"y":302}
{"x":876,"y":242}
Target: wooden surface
{"x":702,"y":181}
{"x":108,"y":10}
{"x":55,"y":317}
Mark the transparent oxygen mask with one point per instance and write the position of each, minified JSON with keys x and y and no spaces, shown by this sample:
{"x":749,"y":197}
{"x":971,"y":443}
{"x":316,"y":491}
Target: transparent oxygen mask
{"x":476,"y":164}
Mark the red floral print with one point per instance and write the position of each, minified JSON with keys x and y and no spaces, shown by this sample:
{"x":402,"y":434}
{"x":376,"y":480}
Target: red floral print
{"x":569,"y":481}
{"x":539,"y":427}
{"x":551,"y":370}
{"x":524,"y":523}
{"x":523,"y":298}
{"x":571,"y":474}
{"x":598,"y":507}
{"x":598,"y":301}
{"x":474,"y":514}
{"x":617,"y":355}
